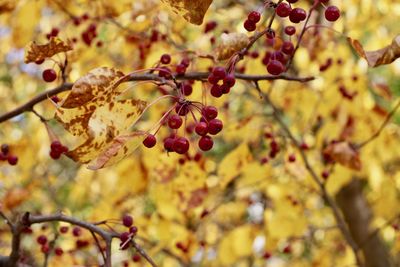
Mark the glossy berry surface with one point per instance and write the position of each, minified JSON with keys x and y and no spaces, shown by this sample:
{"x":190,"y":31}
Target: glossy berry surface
{"x":254,"y":16}
{"x":297,"y":15}
{"x":275,"y":67}
{"x":175,"y":121}
{"x":283,"y":10}
{"x":215,"y":126}
{"x":180,"y":145}
{"x":201,"y":128}
{"x":290,"y":30}
{"x":206,"y":143}
{"x":332,"y":13}
{"x":127,"y":220}
{"x":150,"y":141}
{"x":210,"y":112}
{"x":249,"y":26}
{"x":49,"y":75}
{"x":165,"y":59}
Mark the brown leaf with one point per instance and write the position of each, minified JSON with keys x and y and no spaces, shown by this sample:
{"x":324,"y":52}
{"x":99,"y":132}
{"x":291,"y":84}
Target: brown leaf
{"x":231,"y":43}
{"x":7,"y":5}
{"x":379,"y":57}
{"x":344,"y":154}
{"x":192,"y":11}
{"x":35,"y":52}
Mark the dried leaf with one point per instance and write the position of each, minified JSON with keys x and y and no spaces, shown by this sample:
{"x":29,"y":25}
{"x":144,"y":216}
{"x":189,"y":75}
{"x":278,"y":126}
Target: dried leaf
{"x":7,"y":5}
{"x":344,"y":154}
{"x":192,"y":11}
{"x":379,"y":57}
{"x":231,"y":43}
{"x":35,"y":52}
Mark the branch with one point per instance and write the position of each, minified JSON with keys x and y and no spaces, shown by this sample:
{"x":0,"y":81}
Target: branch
{"x":28,"y":106}
{"x":336,"y":213}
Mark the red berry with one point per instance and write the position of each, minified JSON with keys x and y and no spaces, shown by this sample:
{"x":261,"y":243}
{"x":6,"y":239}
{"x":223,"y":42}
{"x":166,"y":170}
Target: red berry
{"x":180,"y":69}
{"x":206,"y":143}
{"x":45,"y":249}
{"x":76,"y":231}
{"x":219,"y":73}
{"x":164,"y":72}
{"x":127,"y":220}
{"x":136,"y":258}
{"x":12,"y":160}
{"x":187,"y":89}
{"x":63,"y":229}
{"x":168,"y":144}
{"x":332,"y":13}
{"x":292,"y":158}
{"x":181,"y":145}
{"x":124,"y":237}
{"x":42,"y":239}
{"x":267,"y":255}
{"x":229,"y":80}
{"x":5,"y":148}
{"x":283,"y":10}
{"x":210,"y":112}
{"x":212,"y":79}
{"x":254,"y":16}
{"x":49,"y":75}
{"x":275,"y":67}
{"x":165,"y":59}
{"x":175,"y":121}
{"x":297,"y":14}
{"x":249,"y":26}
{"x":182,"y":109}
{"x":287,"y":47}
{"x":216,"y":91}
{"x":215,"y":126}
{"x":211,"y":25}
{"x":40,"y":61}
{"x":325,"y":174}
{"x":58,"y":251}
{"x":133,"y":230}
{"x":290,"y":30}
{"x":150,"y":141}
{"x":55,"y":154}
{"x":201,"y":128}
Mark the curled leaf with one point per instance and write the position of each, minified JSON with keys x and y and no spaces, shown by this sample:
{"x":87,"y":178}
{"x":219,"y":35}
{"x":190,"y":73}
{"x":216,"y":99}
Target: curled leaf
{"x":379,"y":57}
{"x":192,"y":11}
{"x":231,"y":43}
{"x":344,"y":154}
{"x":37,"y":52}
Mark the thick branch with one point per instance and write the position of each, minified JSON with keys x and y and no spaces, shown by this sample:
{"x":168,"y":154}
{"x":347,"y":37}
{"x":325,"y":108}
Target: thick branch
{"x":143,"y":77}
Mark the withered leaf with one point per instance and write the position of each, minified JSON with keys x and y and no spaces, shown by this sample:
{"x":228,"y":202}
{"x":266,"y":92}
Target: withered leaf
{"x":229,"y":44}
{"x":35,"y":52}
{"x":379,"y":57}
{"x":7,"y":5}
{"x":92,"y":112}
{"x":344,"y":154}
{"x":192,"y":11}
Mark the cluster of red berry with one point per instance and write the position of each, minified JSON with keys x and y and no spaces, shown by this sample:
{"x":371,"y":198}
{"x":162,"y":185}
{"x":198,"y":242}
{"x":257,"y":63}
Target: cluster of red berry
{"x":45,"y":248}
{"x":127,"y":236}
{"x":57,"y":149}
{"x":5,"y":155}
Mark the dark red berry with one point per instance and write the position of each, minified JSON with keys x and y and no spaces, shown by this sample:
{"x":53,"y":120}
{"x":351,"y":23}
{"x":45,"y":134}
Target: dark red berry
{"x":287,"y":47}
{"x":292,"y":158}
{"x":55,"y":154}
{"x":124,"y":236}
{"x":181,"y":145}
{"x":42,"y":239}
{"x":180,"y":69}
{"x":12,"y":160}
{"x":175,"y":121}
{"x":150,"y":141}
{"x":210,"y":112}
{"x":58,"y":251}
{"x":136,"y":258}
{"x":165,"y":59}
{"x":63,"y":229}
{"x":325,"y":174}
{"x":267,"y":255}
{"x":5,"y":148}
{"x":332,"y":13}
{"x":229,"y":80}
{"x":182,"y":109}
{"x":290,"y":30}
{"x":201,"y":128}
{"x":40,"y":61}
{"x":215,"y":126}
{"x":76,"y":231}
{"x":164,"y":72}
{"x":216,"y":91}
{"x":219,"y":73}
{"x":254,"y":16}
{"x":49,"y":75}
{"x":283,"y":10}
{"x":127,"y":220}
{"x":297,"y":15}
{"x":212,"y":79}
{"x":211,"y":25}
{"x":275,"y":67}
{"x":133,"y":230}
{"x":187,"y":89}
{"x":206,"y":143}
{"x":249,"y":26}
{"x":45,"y":249}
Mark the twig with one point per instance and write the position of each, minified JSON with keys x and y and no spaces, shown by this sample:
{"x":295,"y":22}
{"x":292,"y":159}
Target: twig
{"x":143,"y":253}
{"x":98,"y":245}
{"x":144,"y":77}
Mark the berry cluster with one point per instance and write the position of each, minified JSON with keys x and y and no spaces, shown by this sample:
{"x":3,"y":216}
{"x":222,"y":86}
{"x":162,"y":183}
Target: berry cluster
{"x":57,"y":149}
{"x":5,"y":155}
{"x":45,"y":248}
{"x":127,"y":236}
{"x":221,"y":81}
{"x":252,"y":19}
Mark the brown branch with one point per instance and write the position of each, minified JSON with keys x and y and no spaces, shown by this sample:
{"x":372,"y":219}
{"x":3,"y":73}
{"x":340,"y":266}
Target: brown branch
{"x":143,"y":77}
{"x":336,"y":213}
{"x":143,"y":253}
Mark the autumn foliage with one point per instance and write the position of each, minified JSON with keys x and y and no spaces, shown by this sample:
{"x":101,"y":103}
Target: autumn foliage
{"x":199,"y":133}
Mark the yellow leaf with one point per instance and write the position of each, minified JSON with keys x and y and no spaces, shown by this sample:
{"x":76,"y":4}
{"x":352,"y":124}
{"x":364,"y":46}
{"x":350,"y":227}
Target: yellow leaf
{"x":192,"y":11}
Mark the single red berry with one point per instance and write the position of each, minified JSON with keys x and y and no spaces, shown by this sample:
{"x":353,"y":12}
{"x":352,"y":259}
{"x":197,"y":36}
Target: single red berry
{"x":58,"y":251}
{"x":175,"y":121}
{"x":229,"y":80}
{"x":180,"y":69}
{"x":127,"y":220}
{"x":332,"y":13}
{"x":264,"y":160}
{"x":164,"y":72}
{"x":254,"y":16}
{"x":275,"y":67}
{"x":56,"y":145}
{"x":165,"y":59}
{"x":201,"y":128}
{"x":249,"y":26}
{"x":40,"y":61}
{"x":216,"y":91}
{"x":42,"y":239}
{"x":267,"y":255}
{"x":215,"y":126}
{"x":287,"y":48}
{"x":63,"y":229}
{"x":133,"y":230}
{"x":5,"y":148}
{"x":54,"y":32}
{"x":182,"y":109}
{"x":76,"y":231}
{"x":206,"y":143}
{"x":150,"y":141}
{"x":210,"y":112}
{"x":124,"y":236}
{"x":325,"y":174}
{"x":197,"y":157}
{"x":45,"y":249}
{"x":212,"y":79}
{"x":136,"y":258}
{"x":219,"y":73}
{"x":12,"y":160}
{"x":287,"y":249}
{"x":124,"y":245}
{"x":297,"y":15}
{"x":85,"y":16}
{"x":49,"y":75}
{"x":187,"y":89}
{"x":181,"y":145}
{"x":304,"y":146}
{"x":290,"y":30}
{"x":185,"y":62}
{"x":211,"y":25}
{"x":283,"y":10}
{"x":55,"y":154}
{"x":292,"y":158}
{"x":168,"y":144}
{"x":181,"y":161}
{"x":270,"y":34}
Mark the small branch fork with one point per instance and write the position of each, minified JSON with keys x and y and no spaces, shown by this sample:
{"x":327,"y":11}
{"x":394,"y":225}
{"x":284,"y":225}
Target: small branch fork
{"x":27,"y":220}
